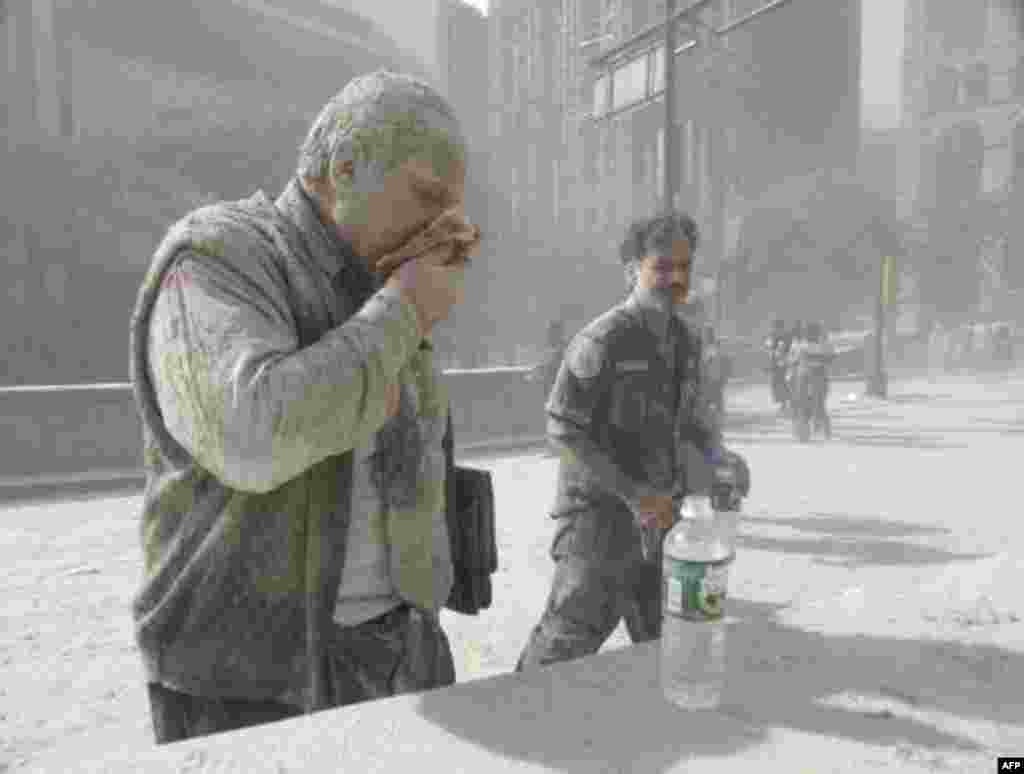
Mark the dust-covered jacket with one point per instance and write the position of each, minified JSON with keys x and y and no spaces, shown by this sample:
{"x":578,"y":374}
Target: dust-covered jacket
{"x":629,"y":416}
{"x":244,"y":533}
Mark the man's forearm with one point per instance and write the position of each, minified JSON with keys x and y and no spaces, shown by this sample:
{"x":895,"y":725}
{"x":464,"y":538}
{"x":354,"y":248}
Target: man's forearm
{"x":256,"y":410}
{"x":330,"y":397}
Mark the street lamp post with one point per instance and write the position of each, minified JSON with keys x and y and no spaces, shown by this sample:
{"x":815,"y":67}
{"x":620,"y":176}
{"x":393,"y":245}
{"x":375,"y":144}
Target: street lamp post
{"x":667,"y":28}
{"x":671,"y":168}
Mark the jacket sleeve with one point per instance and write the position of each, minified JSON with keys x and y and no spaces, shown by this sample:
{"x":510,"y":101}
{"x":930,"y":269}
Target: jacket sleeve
{"x":237,"y":391}
{"x":580,"y":385}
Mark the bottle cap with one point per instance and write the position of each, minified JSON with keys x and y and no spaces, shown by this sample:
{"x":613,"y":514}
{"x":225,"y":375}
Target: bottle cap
{"x":698,"y":507}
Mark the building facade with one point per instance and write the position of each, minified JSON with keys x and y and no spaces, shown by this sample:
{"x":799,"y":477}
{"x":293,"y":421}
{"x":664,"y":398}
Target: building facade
{"x":579,"y":149}
{"x":963,"y":86}
{"x":410,"y":24}
{"x":463,"y":66}
{"x":118,"y":119}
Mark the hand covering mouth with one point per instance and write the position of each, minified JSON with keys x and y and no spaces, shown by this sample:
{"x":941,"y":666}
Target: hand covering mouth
{"x":450,"y":227}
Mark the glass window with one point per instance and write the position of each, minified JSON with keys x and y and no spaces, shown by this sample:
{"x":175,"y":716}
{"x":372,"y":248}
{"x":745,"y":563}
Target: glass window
{"x":55,"y":282}
{"x":601,"y":95}
{"x":1001,"y":86}
{"x":657,"y":70}
{"x":630,"y":83}
{"x":997,"y":169}
{"x":556,"y":196}
{"x":688,"y":146}
{"x":1017,"y":149}
{"x":976,"y":83}
{"x":659,"y":162}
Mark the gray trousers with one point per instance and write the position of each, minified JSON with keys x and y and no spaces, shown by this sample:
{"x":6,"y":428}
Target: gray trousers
{"x":402,"y":651}
{"x":591,"y":592}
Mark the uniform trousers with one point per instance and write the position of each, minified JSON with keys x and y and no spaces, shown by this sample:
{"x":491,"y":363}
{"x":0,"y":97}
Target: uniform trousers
{"x":601,"y":578}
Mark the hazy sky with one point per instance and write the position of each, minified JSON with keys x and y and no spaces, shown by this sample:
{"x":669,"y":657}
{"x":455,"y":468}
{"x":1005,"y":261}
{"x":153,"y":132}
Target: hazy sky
{"x":881,"y":73}
{"x":481,"y":4}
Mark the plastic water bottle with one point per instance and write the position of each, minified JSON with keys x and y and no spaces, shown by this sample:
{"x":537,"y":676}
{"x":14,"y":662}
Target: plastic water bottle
{"x":697,"y":554}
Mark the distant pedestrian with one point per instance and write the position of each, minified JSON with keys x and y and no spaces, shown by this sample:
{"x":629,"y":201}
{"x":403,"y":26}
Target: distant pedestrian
{"x":1003,"y":347}
{"x":777,"y":348}
{"x":798,"y":337}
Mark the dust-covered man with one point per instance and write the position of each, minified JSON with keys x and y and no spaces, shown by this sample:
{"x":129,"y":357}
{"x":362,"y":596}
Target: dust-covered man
{"x":295,"y":547}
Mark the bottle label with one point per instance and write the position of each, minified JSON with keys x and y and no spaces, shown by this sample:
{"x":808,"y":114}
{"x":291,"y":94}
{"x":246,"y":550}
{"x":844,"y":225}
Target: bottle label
{"x":695,"y":590}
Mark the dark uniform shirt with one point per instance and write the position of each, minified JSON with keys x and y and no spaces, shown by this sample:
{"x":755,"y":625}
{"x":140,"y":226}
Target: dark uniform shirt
{"x":627,"y":414}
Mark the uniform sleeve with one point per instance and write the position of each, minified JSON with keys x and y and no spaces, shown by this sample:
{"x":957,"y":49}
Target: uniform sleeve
{"x":581,"y":384}
{"x":237,"y":391}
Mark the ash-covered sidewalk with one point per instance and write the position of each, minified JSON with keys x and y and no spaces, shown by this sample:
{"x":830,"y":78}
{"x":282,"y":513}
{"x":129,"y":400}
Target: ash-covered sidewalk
{"x":878,"y":585}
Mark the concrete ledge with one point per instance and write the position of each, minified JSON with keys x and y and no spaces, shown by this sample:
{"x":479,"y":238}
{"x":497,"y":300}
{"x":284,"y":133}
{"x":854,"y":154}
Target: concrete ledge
{"x":599,"y":714}
{"x":61,"y":434}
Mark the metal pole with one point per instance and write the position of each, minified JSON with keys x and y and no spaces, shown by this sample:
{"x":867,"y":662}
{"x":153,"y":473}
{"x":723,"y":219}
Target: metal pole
{"x":774,"y":5}
{"x":671,"y":169}
{"x":648,"y":33}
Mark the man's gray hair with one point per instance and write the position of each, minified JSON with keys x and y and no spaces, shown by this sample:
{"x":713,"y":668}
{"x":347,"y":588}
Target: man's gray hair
{"x":655,"y":235}
{"x":368,"y":103}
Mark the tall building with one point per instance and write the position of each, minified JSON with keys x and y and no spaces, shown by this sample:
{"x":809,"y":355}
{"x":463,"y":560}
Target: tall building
{"x":963,"y":86}
{"x":36,"y":81}
{"x":579,"y":150}
{"x":463,"y":68}
{"x":526,"y":141}
{"x":410,"y":24}
{"x":170,"y":105}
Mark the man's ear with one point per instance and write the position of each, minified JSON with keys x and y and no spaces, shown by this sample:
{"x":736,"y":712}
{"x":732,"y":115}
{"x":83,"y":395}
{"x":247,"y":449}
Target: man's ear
{"x":341,"y":169}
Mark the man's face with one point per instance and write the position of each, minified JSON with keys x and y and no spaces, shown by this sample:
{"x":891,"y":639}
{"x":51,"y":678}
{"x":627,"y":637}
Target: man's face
{"x":668,"y":273}
{"x":412,"y":196}
{"x":408,"y":199}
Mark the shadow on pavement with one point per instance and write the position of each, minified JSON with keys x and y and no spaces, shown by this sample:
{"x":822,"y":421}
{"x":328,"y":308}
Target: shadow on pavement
{"x":851,"y":552}
{"x":867,"y":435}
{"x":842,"y":524}
{"x":852,"y":542}
{"x":789,"y":672}
{"x":608,"y":709}
{"x":906,"y":398}
{"x":749,"y":420}
{"x":776,"y":433}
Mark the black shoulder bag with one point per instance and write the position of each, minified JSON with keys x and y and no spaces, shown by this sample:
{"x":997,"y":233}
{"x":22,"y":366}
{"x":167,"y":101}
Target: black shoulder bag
{"x":469,"y":495}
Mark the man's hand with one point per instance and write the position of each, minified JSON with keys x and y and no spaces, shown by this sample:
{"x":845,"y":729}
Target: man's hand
{"x":430,"y":284}
{"x":654,"y":510}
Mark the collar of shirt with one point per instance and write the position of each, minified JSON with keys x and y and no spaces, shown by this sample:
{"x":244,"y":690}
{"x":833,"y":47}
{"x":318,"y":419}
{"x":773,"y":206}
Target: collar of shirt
{"x":326,"y":246}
